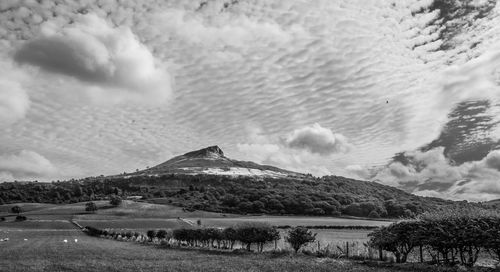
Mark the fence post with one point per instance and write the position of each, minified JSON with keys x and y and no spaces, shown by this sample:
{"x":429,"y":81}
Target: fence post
{"x":347,"y":249}
{"x":380,"y":254}
{"x":421,"y":254}
{"x":318,"y":246}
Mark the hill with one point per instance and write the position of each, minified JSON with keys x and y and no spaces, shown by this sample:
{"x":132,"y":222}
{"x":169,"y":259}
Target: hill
{"x":207,"y":180}
{"x":211,"y":160}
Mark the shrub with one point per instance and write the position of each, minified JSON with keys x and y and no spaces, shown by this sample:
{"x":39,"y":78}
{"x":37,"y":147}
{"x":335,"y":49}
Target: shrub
{"x":249,"y":233}
{"x":90,"y":207}
{"x":298,"y":237}
{"x":21,"y":218}
{"x":398,"y":238}
{"x":115,"y":200}
{"x":93,"y":231}
{"x":231,"y":236}
{"x":151,"y":234}
{"x":16,"y":209}
{"x":455,"y":235}
{"x":374,"y":214}
{"x":161,"y":234}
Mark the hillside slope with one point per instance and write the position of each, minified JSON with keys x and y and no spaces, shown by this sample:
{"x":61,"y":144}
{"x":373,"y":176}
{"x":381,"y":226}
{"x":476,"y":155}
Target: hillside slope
{"x":207,"y":180}
{"x":211,"y":160}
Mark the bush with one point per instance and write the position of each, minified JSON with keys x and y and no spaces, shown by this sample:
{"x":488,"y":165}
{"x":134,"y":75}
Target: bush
{"x":374,"y":214}
{"x":151,"y":234}
{"x":161,"y":234}
{"x":21,"y":218}
{"x":399,"y":238}
{"x":93,"y":231}
{"x":299,"y":236}
{"x":90,"y":207}
{"x":259,"y":234}
{"x":16,"y":209}
{"x":115,"y":200}
{"x":455,"y":235}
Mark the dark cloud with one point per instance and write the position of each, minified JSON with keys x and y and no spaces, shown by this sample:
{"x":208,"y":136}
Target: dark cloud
{"x":110,"y":61}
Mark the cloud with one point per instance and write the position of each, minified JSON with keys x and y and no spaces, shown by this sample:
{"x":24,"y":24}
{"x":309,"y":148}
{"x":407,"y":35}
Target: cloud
{"x":14,"y":98}
{"x":221,"y":30}
{"x":302,"y":150}
{"x":25,"y":164}
{"x":318,"y":139}
{"x":14,"y":101}
{"x":110,"y":62}
{"x":430,"y":173}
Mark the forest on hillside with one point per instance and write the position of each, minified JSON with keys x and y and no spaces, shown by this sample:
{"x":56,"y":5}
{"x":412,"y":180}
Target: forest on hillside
{"x":326,"y":196}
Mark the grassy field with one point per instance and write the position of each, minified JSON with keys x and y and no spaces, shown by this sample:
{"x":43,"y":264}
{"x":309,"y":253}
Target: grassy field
{"x":289,"y":220}
{"x":37,"y":244}
{"x":46,"y":251}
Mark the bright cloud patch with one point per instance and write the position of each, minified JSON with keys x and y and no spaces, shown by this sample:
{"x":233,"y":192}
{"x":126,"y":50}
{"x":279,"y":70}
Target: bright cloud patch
{"x":430,"y":173}
{"x":319,"y":140}
{"x":110,"y":62}
{"x":14,"y":101}
{"x":302,"y":150}
{"x":25,"y":164}
{"x":221,"y":30}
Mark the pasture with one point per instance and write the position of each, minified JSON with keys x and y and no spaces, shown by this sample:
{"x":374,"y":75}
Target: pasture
{"x":139,"y":216}
{"x":45,"y":250}
{"x":37,"y":244}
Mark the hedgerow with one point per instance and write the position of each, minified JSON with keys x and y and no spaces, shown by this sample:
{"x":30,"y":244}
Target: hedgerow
{"x":247,"y":234}
{"x":454,"y":236}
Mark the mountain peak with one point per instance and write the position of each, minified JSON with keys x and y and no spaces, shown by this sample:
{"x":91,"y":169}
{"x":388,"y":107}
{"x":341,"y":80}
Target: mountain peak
{"x":207,"y":152}
{"x":211,"y":161}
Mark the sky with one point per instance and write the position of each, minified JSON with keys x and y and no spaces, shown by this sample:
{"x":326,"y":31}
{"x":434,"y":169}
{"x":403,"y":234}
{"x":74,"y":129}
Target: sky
{"x":404,"y":93}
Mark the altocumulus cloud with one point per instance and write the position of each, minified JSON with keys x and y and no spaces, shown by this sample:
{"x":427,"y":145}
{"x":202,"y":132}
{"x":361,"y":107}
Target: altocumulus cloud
{"x":110,"y":62}
{"x":25,"y":164}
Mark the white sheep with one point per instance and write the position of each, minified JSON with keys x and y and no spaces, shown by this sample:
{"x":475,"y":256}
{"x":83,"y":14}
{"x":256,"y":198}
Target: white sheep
{"x":25,"y":239}
{"x":76,"y":240}
{"x":65,"y":240}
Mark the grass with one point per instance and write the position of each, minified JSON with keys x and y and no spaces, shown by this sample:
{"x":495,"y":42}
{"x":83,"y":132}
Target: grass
{"x":49,"y":225}
{"x":134,"y":224}
{"x":46,"y":251}
{"x":289,"y":220}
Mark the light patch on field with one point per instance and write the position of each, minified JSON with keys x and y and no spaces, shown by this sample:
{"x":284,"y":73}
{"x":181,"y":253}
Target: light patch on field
{"x":238,"y":171}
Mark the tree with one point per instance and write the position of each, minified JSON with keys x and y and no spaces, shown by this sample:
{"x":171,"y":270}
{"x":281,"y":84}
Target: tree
{"x":399,"y":238}
{"x":299,"y":236}
{"x":231,"y":236}
{"x":90,"y":207}
{"x":259,"y":233}
{"x":151,"y":234}
{"x":115,"y":200}
{"x":16,"y":209}
{"x":161,"y":234}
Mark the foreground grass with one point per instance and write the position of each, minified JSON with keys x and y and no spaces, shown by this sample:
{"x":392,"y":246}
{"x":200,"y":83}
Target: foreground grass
{"x":46,"y":251}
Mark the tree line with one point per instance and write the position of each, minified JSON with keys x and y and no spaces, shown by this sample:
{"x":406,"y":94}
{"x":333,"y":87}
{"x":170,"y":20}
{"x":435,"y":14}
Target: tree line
{"x":455,"y":236}
{"x":246,"y":234}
